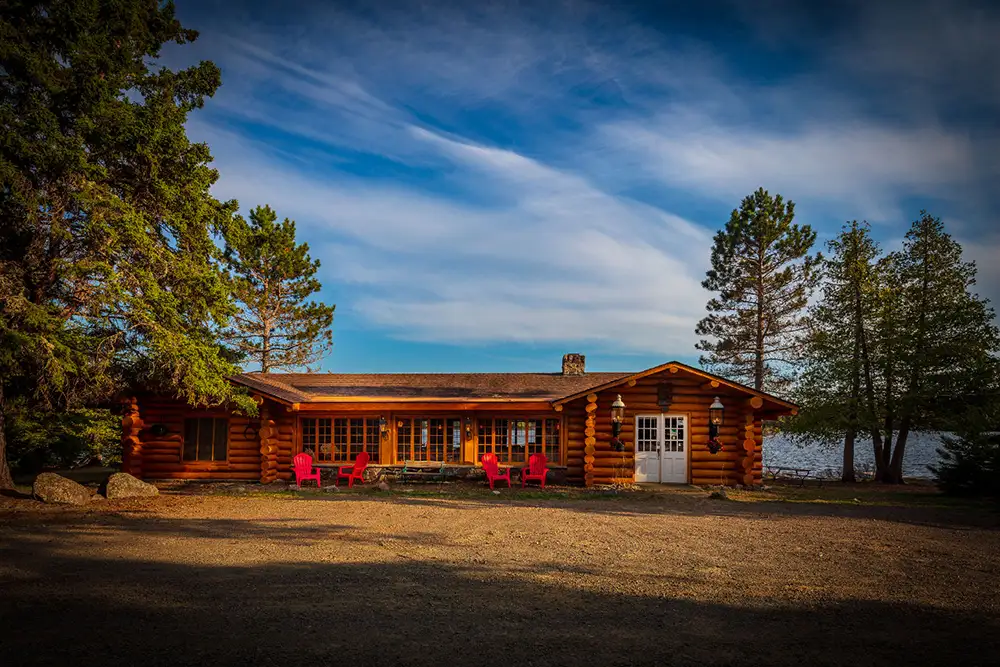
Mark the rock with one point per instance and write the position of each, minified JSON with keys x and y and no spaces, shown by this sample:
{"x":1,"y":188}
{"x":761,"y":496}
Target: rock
{"x":719,"y":494}
{"x":52,"y":488}
{"x":124,"y":485}
{"x":332,"y":487}
{"x":383,"y":485}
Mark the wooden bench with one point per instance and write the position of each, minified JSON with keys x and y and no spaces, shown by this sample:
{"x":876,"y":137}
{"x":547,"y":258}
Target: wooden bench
{"x":793,"y":474}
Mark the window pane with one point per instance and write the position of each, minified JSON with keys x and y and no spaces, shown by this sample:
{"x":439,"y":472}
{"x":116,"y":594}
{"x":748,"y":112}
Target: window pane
{"x":485,"y":438}
{"x":501,"y":439}
{"x":518,"y":440}
{"x":205,"y":439}
{"x":355,"y":439}
{"x":435,"y":450}
{"x":190,"y":439}
{"x":324,"y":439}
{"x":221,"y":440}
{"x":420,"y":447}
{"x":404,"y":439}
{"x":372,"y":437}
{"x":309,"y":437}
{"x":552,"y":448}
{"x":453,"y":443}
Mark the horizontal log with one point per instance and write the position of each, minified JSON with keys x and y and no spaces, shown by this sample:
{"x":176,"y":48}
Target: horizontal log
{"x":715,"y":465}
{"x":199,"y":475}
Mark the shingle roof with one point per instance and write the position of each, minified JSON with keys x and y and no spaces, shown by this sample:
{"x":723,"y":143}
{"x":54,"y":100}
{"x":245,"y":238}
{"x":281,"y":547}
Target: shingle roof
{"x":306,"y":387}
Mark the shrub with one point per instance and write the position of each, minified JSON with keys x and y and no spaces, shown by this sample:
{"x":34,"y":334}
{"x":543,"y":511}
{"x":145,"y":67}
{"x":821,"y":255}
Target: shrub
{"x":970,"y":464}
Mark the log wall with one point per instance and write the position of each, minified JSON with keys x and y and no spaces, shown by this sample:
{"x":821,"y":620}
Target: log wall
{"x":161,"y":455}
{"x":591,"y":460}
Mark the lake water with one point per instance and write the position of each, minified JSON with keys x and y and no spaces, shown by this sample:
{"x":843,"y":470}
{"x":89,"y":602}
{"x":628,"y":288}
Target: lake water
{"x":921,"y":451}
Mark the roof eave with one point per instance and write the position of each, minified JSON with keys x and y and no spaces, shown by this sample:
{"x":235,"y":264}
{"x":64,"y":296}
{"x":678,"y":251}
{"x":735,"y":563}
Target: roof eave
{"x":674,"y":367}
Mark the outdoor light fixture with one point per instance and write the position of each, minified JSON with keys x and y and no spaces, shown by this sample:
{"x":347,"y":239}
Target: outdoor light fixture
{"x":715,"y":418}
{"x":617,"y":417}
{"x":468,"y":427}
{"x":383,"y":427}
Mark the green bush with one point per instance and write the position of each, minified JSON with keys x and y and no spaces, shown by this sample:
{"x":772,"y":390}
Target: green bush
{"x":970,"y":465}
{"x":38,"y":440}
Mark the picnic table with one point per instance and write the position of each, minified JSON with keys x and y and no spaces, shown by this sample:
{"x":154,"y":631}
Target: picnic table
{"x":795,"y":474}
{"x":430,"y":471}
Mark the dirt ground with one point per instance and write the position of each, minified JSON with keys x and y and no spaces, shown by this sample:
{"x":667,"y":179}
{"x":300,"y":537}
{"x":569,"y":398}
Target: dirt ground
{"x":807,"y":578}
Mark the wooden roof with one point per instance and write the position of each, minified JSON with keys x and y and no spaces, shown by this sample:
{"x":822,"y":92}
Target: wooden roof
{"x":554,"y":388}
{"x":330,"y":387}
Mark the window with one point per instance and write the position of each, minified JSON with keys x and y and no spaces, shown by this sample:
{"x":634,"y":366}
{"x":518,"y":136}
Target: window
{"x":429,"y":439}
{"x":513,"y":440}
{"x":340,"y":439}
{"x":206,"y":439}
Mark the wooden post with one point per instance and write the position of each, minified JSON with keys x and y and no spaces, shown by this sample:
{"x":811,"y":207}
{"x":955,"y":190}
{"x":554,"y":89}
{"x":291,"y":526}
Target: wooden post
{"x":131,"y":444}
{"x":268,"y":435}
{"x":590,"y":441}
{"x":750,"y":447}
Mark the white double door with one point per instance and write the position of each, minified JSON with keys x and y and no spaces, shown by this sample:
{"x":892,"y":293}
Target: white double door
{"x":661,"y":443}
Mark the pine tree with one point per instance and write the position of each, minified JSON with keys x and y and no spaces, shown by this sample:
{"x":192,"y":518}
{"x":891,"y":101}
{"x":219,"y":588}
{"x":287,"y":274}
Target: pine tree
{"x":937,"y":343}
{"x":834,"y":405}
{"x":272,"y":277}
{"x":108,"y":271}
{"x":764,"y":274}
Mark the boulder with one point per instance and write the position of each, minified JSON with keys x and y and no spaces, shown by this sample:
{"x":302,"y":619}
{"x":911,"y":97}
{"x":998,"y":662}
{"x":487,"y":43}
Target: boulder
{"x":52,"y":488}
{"x":124,"y":485}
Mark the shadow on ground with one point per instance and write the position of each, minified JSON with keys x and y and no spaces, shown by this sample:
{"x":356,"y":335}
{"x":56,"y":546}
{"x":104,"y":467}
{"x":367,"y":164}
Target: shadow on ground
{"x":58,"y":607}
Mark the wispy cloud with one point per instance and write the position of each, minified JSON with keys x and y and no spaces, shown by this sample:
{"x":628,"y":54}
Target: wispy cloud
{"x":502,"y":173}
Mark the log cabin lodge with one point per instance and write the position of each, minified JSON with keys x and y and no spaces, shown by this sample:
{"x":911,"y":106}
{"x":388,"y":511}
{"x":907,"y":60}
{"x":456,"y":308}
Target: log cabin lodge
{"x":454,"y":418}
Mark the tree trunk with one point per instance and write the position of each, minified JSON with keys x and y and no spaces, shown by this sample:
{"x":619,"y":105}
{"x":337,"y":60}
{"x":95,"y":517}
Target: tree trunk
{"x":265,"y":352}
{"x":758,"y":370}
{"x":895,"y":467}
{"x":6,"y":481}
{"x":847,"y":474}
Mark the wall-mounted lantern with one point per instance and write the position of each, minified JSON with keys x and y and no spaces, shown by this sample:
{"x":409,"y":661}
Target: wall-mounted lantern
{"x":716,"y":412}
{"x":468,"y":427}
{"x":383,"y":427}
{"x":617,"y":417}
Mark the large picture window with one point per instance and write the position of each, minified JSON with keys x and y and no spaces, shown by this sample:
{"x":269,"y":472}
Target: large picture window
{"x":429,"y":439}
{"x":340,"y":439}
{"x":206,"y":439}
{"x":514,"y":439}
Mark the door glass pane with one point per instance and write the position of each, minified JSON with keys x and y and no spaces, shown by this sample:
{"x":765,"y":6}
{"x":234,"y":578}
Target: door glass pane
{"x":646,"y":439}
{"x":674,"y":434}
{"x":190,"y":439}
{"x":220,"y":440}
{"x":205,"y":439}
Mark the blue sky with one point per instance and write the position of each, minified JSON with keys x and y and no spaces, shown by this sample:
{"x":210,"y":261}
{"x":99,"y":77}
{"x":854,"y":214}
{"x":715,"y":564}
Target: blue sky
{"x":490,"y":185}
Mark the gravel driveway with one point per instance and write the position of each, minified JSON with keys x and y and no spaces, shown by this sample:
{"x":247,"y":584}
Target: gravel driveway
{"x":359,"y":580}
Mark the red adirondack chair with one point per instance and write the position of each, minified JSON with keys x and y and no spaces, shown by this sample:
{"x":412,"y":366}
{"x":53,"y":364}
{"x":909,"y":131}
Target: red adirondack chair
{"x":493,"y":470}
{"x":302,"y":464}
{"x":538,"y":468}
{"x":356,"y":471}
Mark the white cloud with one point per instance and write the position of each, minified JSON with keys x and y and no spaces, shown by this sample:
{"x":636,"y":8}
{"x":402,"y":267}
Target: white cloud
{"x":864,"y":168}
{"x":557,"y":261}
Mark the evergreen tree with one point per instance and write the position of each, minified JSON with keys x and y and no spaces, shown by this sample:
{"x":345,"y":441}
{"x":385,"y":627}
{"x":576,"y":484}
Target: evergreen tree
{"x":272,"y":277}
{"x":834,"y":405}
{"x":108,"y":270}
{"x":937,"y":342}
{"x":764,"y":274}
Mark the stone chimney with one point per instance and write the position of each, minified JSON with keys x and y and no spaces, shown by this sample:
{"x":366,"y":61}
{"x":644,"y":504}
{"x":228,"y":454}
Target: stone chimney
{"x":574,"y":364}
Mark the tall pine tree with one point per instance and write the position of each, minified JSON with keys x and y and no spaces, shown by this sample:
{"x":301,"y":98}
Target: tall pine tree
{"x":272,"y":277}
{"x":108,"y":271}
{"x":831,"y":390}
{"x":937,"y":343}
{"x":764,"y":275}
